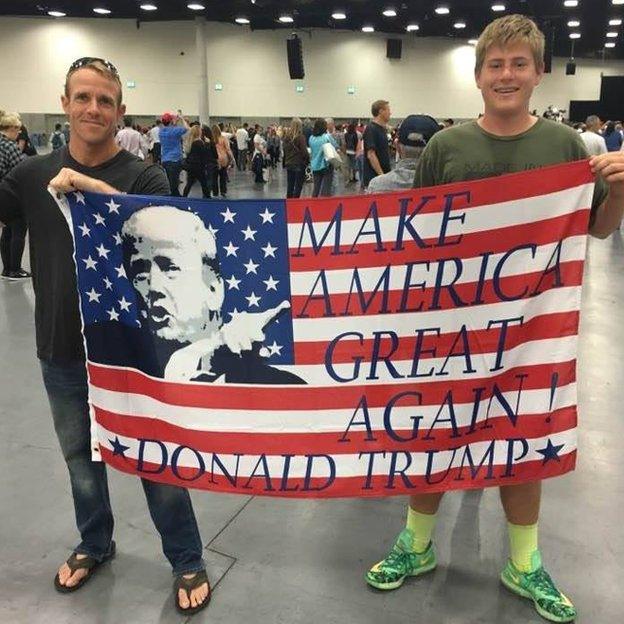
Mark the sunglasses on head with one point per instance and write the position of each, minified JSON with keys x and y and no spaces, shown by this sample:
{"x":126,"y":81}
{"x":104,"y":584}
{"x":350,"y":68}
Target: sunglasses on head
{"x":87,"y":60}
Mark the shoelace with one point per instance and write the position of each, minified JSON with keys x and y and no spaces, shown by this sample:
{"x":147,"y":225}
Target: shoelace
{"x":394,"y":559}
{"x":541,"y":579}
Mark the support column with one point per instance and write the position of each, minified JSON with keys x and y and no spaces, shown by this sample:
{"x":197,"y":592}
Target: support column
{"x":202,"y":63}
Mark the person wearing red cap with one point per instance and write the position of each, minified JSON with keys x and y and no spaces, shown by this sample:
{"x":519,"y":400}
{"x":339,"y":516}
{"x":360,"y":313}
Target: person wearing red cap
{"x":174,"y":128}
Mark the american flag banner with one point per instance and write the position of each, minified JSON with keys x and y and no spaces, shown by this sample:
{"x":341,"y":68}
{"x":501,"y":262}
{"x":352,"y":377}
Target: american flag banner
{"x":416,"y":341}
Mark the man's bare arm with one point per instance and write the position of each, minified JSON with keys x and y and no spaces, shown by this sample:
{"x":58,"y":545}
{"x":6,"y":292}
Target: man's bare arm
{"x":374,"y":161}
{"x":68,"y":180}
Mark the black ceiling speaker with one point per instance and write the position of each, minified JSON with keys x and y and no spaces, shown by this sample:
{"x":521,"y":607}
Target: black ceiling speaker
{"x":295,"y":58}
{"x":549,"y":35}
{"x":393,"y":48}
{"x":570,"y":68}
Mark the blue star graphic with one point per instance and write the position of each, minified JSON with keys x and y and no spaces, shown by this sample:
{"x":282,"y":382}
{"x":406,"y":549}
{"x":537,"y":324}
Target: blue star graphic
{"x":550,"y":452}
{"x":118,"y":447}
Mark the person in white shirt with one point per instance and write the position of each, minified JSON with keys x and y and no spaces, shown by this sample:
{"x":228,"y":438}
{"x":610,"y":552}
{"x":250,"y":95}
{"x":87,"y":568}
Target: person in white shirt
{"x":259,"y":156}
{"x":154,"y":139}
{"x":260,"y":144}
{"x":242,"y":138}
{"x":145,"y":142}
{"x":129,"y":139}
{"x":594,"y":143}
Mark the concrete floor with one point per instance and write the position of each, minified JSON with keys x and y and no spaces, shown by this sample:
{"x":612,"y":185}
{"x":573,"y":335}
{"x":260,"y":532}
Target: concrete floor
{"x":291,"y":562}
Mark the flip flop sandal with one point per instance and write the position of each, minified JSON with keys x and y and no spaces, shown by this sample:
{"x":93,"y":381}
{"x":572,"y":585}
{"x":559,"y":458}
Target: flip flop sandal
{"x":88,"y":563}
{"x":188,"y":585}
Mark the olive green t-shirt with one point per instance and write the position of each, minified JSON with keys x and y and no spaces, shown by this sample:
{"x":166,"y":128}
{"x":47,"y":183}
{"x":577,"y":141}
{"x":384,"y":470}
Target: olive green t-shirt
{"x":467,"y":152}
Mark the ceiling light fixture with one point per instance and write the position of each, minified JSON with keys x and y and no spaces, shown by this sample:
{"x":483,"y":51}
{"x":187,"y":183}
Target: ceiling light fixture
{"x":574,"y":23}
{"x":570,"y":3}
{"x":473,"y":41}
{"x":616,"y":2}
{"x":609,"y":44}
{"x":498,"y":7}
{"x":56,"y":14}
{"x":459,"y":25}
{"x":442,"y":10}
{"x":286,"y":19}
{"x":149,"y":7}
{"x":389,"y":13}
{"x":195,"y":6}
{"x":615,"y":22}
{"x":412,"y":27}
{"x":368,"y":29}
{"x":339,"y":15}
{"x":575,"y":35}
{"x":101,"y":11}
{"x":241,"y":20}
{"x":612,"y":35}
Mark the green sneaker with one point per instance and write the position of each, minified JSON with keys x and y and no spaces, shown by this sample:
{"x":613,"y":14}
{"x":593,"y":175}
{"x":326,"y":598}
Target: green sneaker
{"x":549,"y":602}
{"x":400,"y":563}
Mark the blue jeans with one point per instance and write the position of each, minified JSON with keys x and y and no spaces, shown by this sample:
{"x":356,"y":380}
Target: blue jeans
{"x":359,"y":162}
{"x":294,"y":181}
{"x":173,"y":170}
{"x":169,"y":506}
{"x":323,"y":180}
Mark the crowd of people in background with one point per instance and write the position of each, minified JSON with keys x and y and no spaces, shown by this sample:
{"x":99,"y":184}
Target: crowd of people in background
{"x":361,"y":151}
{"x":372,"y":157}
{"x":600,"y":137}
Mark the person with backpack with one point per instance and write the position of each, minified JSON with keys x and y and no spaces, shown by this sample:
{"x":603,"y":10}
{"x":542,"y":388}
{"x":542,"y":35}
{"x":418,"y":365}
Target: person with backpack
{"x":57,"y":140}
{"x":224,"y":158}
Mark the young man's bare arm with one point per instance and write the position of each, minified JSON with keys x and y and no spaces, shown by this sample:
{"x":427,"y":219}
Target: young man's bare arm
{"x":609,"y":214}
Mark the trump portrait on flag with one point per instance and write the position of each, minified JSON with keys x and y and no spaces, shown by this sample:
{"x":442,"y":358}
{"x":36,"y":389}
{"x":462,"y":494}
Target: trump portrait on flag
{"x":170,"y":259}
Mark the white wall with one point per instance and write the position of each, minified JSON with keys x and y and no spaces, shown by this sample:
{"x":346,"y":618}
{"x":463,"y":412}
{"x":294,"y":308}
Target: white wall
{"x":434,"y":76}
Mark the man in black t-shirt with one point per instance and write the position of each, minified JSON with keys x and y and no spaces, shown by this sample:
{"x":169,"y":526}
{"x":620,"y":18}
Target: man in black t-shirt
{"x":376,"y":152}
{"x":92,"y":162}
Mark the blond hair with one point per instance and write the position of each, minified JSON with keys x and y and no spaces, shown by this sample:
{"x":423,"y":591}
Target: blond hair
{"x":9,"y":120}
{"x":296,"y":129}
{"x":195,"y":133}
{"x":101,"y":68}
{"x":508,"y":30}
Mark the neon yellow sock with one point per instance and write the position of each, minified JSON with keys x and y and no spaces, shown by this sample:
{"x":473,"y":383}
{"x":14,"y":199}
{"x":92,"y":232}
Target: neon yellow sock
{"x":421,"y":525}
{"x":522,"y":545}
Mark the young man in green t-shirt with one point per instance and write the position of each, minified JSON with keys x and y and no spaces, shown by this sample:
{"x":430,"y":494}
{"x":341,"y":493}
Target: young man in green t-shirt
{"x":506,"y":139}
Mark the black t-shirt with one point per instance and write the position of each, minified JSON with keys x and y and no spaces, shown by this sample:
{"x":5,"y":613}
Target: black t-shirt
{"x":23,"y":193}
{"x":375,"y":138}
